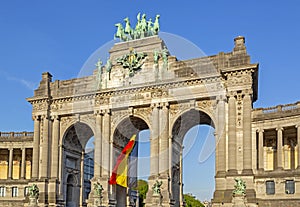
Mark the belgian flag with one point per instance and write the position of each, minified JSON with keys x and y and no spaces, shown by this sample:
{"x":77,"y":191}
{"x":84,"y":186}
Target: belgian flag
{"x":120,"y":172}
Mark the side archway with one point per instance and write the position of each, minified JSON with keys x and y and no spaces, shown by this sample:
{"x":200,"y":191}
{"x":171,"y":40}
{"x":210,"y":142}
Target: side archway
{"x":73,"y":154}
{"x":186,"y":121}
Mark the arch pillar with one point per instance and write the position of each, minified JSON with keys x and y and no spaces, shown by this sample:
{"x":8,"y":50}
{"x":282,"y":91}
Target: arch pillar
{"x":105,"y":143}
{"x":54,"y":174}
{"x":154,"y":152}
{"x":44,"y":173}
{"x":220,"y":139}
{"x":159,"y":154}
{"x":99,"y":139}
{"x":247,"y":138}
{"x":164,"y":152}
{"x":232,"y":152}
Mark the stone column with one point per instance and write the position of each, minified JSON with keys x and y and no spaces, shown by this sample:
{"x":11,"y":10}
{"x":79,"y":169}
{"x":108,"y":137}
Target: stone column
{"x":181,"y":198}
{"x":81,"y":198}
{"x":154,"y":142}
{"x":279,"y":147}
{"x":261,"y":149}
{"x":164,"y":139}
{"x":45,"y":148}
{"x":10,"y":163}
{"x":298,"y":143}
{"x":221,"y":139}
{"x":98,"y":146}
{"x":36,"y":147}
{"x":232,"y":135}
{"x":23,"y":163}
{"x":55,"y":146}
{"x":247,"y":138}
{"x":106,"y":144}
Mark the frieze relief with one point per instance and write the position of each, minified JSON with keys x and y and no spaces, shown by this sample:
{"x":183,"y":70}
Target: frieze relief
{"x":55,"y":106}
{"x":65,"y":122}
{"x":89,"y":119}
{"x":159,"y":93}
{"x":40,"y":106}
{"x":237,"y":79}
{"x":117,"y":116}
{"x":131,"y":97}
{"x":208,"y":105}
{"x":239,"y":111}
{"x":143,"y":112}
{"x":101,"y":101}
{"x":176,"y":109}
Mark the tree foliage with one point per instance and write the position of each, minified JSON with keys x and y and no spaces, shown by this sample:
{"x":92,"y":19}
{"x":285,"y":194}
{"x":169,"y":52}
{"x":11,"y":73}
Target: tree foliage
{"x":142,"y":188}
{"x":191,"y":201}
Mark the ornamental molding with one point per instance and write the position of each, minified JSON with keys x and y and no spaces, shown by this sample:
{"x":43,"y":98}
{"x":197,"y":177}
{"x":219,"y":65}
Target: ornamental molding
{"x":118,"y":116}
{"x":144,"y":113}
{"x":177,"y":109}
{"x":207,"y":106}
{"x":237,"y":79}
{"x":137,"y":93}
{"x":67,"y":121}
{"x":239,"y":110}
{"x":40,"y":105}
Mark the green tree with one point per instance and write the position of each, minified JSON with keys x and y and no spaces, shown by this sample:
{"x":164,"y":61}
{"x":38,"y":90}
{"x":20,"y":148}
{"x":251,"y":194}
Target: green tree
{"x":191,"y":201}
{"x":142,"y":188}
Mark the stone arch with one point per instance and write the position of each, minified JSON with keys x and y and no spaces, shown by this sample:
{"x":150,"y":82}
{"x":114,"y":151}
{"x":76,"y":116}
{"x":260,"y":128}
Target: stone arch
{"x":74,"y":141}
{"x":75,"y":122}
{"x":180,"y":126}
{"x":204,"y":111}
{"x":71,"y":183}
{"x":121,"y":135}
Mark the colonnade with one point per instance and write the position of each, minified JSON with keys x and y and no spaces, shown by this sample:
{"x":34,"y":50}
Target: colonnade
{"x":280,"y":149}
{"x":19,"y":170}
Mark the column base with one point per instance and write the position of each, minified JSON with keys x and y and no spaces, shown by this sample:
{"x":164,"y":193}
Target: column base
{"x":247,"y":172}
{"x":220,"y":174}
{"x":232,"y":172}
{"x":279,"y":169}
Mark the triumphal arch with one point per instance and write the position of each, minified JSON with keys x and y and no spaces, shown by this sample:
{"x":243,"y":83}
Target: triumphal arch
{"x":143,"y":86}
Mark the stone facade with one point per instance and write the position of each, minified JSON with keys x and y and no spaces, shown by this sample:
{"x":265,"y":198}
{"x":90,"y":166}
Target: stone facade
{"x":168,"y":97}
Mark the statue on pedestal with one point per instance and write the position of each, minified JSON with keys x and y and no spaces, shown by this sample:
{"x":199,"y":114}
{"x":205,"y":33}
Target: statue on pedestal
{"x":239,"y":193}
{"x":98,"y":191}
{"x":156,"y":188}
{"x":240,"y":187}
{"x":33,"y":193}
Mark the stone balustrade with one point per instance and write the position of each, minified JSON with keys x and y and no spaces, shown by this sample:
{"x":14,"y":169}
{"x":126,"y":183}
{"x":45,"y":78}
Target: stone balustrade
{"x":276,"y":111}
{"x":11,"y":135}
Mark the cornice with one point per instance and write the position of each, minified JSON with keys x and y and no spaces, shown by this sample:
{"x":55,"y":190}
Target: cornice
{"x":106,"y":93}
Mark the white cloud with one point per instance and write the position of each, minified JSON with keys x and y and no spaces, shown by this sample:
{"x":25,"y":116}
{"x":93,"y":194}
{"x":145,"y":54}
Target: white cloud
{"x":29,"y":85}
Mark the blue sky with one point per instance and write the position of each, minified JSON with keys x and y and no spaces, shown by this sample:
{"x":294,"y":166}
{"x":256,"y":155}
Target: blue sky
{"x":59,"y":36}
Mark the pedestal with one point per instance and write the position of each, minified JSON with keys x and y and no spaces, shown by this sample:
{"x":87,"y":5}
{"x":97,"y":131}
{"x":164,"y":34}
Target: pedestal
{"x":33,"y":202}
{"x":239,"y":201}
{"x":157,"y":200}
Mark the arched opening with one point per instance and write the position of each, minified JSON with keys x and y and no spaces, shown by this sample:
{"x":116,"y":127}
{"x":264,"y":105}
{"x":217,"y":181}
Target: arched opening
{"x":187,"y":135}
{"x":122,"y":134}
{"x":88,"y":166}
{"x":71,"y":186}
{"x":73,"y":171}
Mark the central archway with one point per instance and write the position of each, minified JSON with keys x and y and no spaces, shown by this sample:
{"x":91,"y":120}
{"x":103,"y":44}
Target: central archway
{"x":186,"y":121}
{"x":122,"y":133}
